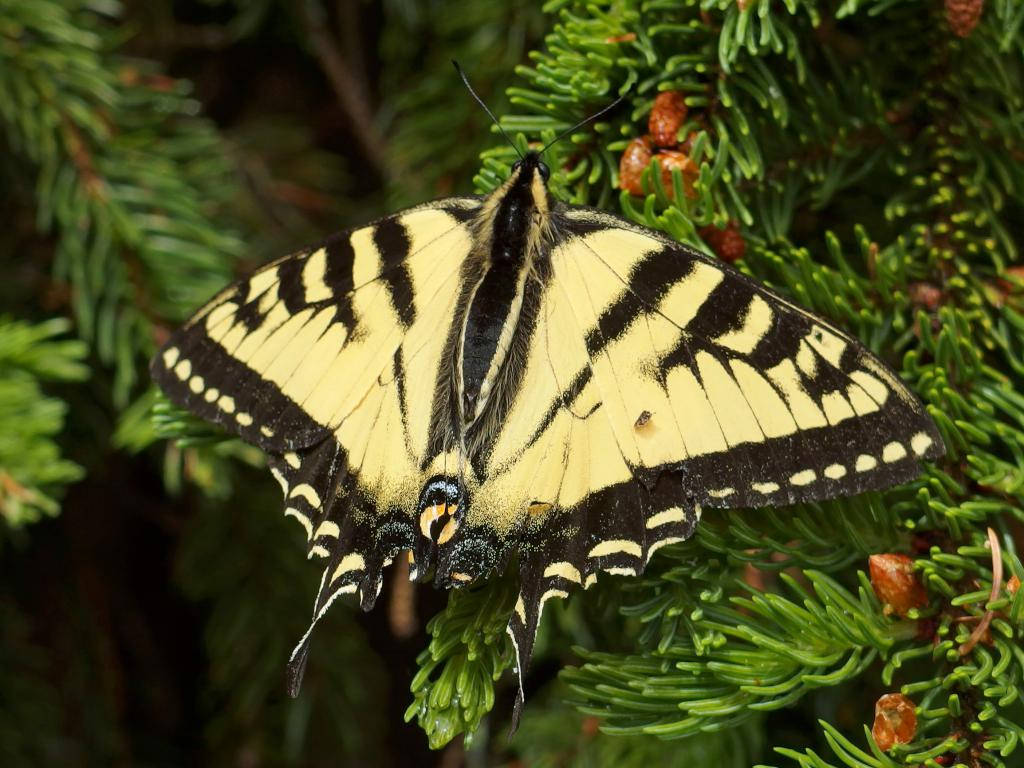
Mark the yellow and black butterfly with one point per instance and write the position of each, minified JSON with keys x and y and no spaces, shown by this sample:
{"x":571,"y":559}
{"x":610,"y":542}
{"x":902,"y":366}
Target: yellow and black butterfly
{"x":478,"y":379}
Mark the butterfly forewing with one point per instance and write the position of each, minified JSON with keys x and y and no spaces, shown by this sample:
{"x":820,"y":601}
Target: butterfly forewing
{"x":310,"y":347}
{"x":759,"y":401}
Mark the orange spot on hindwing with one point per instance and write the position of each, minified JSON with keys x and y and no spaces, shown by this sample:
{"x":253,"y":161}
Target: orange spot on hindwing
{"x":538,"y":508}
{"x":436,"y":512}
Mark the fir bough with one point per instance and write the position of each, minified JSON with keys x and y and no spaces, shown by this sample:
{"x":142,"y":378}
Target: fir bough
{"x":32,"y":469}
{"x":125,"y":172}
{"x":868,"y":157}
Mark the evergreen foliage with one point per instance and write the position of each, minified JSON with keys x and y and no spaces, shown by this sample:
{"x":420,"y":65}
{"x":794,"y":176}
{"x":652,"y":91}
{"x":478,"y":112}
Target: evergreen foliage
{"x":31,"y":467}
{"x":869,"y":154}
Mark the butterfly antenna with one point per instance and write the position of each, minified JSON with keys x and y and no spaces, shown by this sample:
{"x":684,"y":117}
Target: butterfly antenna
{"x":583,"y":122}
{"x":481,"y":103}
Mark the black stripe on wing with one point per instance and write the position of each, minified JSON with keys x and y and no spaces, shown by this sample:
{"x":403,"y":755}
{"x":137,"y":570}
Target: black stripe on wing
{"x":218,"y":388}
{"x":393,"y":243}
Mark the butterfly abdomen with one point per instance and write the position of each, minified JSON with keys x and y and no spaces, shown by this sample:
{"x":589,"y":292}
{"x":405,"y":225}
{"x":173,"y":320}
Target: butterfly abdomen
{"x":515,"y":219}
{"x":491,"y":322}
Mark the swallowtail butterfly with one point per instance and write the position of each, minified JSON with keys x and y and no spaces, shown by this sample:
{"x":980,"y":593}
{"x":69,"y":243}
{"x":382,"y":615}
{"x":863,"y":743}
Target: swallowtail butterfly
{"x":483,"y":379}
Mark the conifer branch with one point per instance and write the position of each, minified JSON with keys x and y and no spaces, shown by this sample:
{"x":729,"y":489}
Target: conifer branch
{"x":910,"y":293}
{"x":136,"y":241}
{"x":32,"y":470}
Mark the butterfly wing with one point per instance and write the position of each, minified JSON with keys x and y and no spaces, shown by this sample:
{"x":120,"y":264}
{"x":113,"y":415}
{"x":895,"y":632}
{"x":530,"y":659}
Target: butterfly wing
{"x":661,"y":381}
{"x":284,"y":357}
{"x":752,"y":398}
{"x":322,"y":359}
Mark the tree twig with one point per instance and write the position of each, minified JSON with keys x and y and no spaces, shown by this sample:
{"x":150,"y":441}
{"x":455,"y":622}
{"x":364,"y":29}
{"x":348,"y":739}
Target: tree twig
{"x":997,"y":584}
{"x":351,"y":36}
{"x":351,"y":96}
{"x":402,"y":607}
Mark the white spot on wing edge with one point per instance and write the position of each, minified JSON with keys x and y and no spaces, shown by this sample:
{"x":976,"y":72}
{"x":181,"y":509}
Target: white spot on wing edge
{"x":804,"y":477}
{"x":563,"y":570}
{"x":226,"y":404}
{"x":614,"y":546}
{"x":183,"y":370}
{"x":196,"y":384}
{"x":671,"y":515}
{"x":835,"y":471}
{"x":893,"y":451}
{"x":920,"y":443}
{"x":663,"y":543}
{"x":620,"y":571}
{"x":720,"y":493}
{"x":561,"y":593}
{"x":327,"y":528}
{"x":865,"y":463}
{"x":292,"y":459}
{"x":306,"y":491}
{"x":244,"y":419}
{"x":353,"y":561}
{"x":170,"y":357}
{"x":279,"y":476}
{"x":765,"y":487}
{"x":292,"y":512}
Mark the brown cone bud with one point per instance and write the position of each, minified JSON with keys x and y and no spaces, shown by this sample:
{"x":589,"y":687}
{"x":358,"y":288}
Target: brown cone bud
{"x":669,"y":160}
{"x":895,"y":721}
{"x":896,"y":584}
{"x":963,"y":15}
{"x":728,"y":244}
{"x":667,"y":114}
{"x":632,"y":164}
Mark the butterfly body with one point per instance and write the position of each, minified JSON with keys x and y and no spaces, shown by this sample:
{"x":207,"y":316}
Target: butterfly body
{"x":481,"y":378}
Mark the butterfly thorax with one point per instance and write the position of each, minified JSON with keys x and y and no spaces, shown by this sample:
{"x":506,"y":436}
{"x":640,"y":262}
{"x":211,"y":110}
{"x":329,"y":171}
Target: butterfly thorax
{"x":515,"y":222}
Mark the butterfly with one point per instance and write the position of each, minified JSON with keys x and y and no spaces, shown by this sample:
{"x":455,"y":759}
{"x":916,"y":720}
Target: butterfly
{"x":478,"y":381}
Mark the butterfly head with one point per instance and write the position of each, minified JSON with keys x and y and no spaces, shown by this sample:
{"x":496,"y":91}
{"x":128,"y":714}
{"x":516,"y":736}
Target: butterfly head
{"x":521,"y":204}
{"x":525,"y":190}
{"x":531,"y":164}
